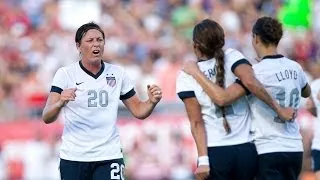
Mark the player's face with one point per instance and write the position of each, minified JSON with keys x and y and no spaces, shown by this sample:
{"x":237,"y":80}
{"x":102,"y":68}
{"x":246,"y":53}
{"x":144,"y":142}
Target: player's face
{"x":92,"y":45}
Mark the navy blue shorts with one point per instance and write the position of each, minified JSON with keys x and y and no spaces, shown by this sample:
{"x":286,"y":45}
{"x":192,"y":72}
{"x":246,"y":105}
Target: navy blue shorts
{"x":279,"y":166}
{"x":233,"y":162}
{"x":316,"y":160}
{"x":99,"y":170}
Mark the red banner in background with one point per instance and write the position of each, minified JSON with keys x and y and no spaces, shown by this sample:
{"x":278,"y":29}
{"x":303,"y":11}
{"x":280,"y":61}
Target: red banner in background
{"x":27,"y":129}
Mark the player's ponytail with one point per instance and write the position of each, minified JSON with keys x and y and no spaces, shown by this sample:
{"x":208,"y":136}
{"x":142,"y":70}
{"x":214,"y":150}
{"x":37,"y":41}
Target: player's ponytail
{"x":219,"y":56}
{"x":208,"y":37}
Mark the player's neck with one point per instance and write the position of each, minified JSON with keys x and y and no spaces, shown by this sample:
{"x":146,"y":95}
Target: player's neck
{"x":268,"y":51}
{"x":93,"y":67}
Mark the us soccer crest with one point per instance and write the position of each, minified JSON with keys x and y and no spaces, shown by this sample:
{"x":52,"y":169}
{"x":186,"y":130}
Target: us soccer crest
{"x":111,"y":81}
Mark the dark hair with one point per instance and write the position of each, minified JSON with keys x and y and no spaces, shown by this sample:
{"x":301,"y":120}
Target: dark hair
{"x":85,"y":28}
{"x":269,"y":30}
{"x":208,"y":37}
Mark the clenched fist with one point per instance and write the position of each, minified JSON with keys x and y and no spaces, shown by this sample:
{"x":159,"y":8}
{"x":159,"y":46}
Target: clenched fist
{"x":154,"y":93}
{"x":202,"y":172}
{"x":67,"y":95}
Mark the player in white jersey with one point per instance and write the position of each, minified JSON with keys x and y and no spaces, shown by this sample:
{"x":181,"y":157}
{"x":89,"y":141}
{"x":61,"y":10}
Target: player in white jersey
{"x":314,"y":108}
{"x":225,"y":130}
{"x":88,"y":92}
{"x":278,"y":140}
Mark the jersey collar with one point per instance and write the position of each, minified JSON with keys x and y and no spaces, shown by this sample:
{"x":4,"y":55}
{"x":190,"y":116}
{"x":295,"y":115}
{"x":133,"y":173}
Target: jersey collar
{"x":202,"y":60}
{"x":273,"y":56}
{"x":90,"y":73}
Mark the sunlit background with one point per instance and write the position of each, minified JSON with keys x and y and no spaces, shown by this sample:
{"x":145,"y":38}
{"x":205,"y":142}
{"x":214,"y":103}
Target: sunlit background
{"x":150,"y":39}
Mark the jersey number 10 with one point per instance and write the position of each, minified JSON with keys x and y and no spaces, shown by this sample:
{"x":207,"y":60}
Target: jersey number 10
{"x":293,"y":101}
{"x":97,"y":98}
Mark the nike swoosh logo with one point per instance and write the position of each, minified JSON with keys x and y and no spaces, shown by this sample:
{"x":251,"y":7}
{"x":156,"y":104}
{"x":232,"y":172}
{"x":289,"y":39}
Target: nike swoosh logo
{"x":79,"y":83}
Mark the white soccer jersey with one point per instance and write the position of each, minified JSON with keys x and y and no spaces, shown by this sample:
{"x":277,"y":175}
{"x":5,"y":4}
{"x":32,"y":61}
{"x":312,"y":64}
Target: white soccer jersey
{"x":315,"y":90}
{"x":237,"y":114}
{"x":90,"y":132}
{"x":284,"y":80}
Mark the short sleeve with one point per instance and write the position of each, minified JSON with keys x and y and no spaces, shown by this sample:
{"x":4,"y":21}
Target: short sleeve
{"x":59,"y":81}
{"x":127,"y":89}
{"x":236,"y":58}
{"x":185,"y":86}
{"x":239,"y":62}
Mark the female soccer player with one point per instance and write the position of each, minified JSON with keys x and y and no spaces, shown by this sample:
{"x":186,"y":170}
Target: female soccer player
{"x":277,"y":140}
{"x":225,"y":130}
{"x":88,"y":92}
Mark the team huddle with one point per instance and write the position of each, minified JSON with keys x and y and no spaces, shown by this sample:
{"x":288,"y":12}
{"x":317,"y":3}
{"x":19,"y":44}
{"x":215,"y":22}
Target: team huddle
{"x":242,"y":116}
{"x":248,"y":134}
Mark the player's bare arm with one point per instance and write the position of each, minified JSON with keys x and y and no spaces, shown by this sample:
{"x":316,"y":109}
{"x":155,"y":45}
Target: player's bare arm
{"x":199,"y":134}
{"x":142,"y":109}
{"x":224,"y":97}
{"x":55,"y":102}
{"x":247,"y":77}
{"x":218,"y":95}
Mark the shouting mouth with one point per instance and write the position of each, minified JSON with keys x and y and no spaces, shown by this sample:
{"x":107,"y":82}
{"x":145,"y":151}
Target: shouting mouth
{"x":96,"y":52}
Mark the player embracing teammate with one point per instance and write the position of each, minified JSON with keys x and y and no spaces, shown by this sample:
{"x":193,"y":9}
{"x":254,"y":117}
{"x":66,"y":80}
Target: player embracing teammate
{"x":271,"y":90}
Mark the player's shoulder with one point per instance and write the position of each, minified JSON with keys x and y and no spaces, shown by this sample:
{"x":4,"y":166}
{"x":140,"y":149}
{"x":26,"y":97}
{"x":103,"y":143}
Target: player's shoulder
{"x":182,"y":75}
{"x":115,"y":68}
{"x":269,"y":64}
{"x":233,"y":53}
{"x":259,"y":65}
{"x":232,"y":56}
{"x":293,"y":63}
{"x":69,"y":67}
{"x":229,"y":51}
{"x":185,"y":82}
{"x":184,"y":79}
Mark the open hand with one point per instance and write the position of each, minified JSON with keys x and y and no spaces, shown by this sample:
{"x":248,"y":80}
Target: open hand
{"x":190,"y":67}
{"x":202,"y":172}
{"x":154,"y":93}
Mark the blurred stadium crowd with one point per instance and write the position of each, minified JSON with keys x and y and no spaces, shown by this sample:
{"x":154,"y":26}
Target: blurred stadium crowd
{"x":150,"y":39}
